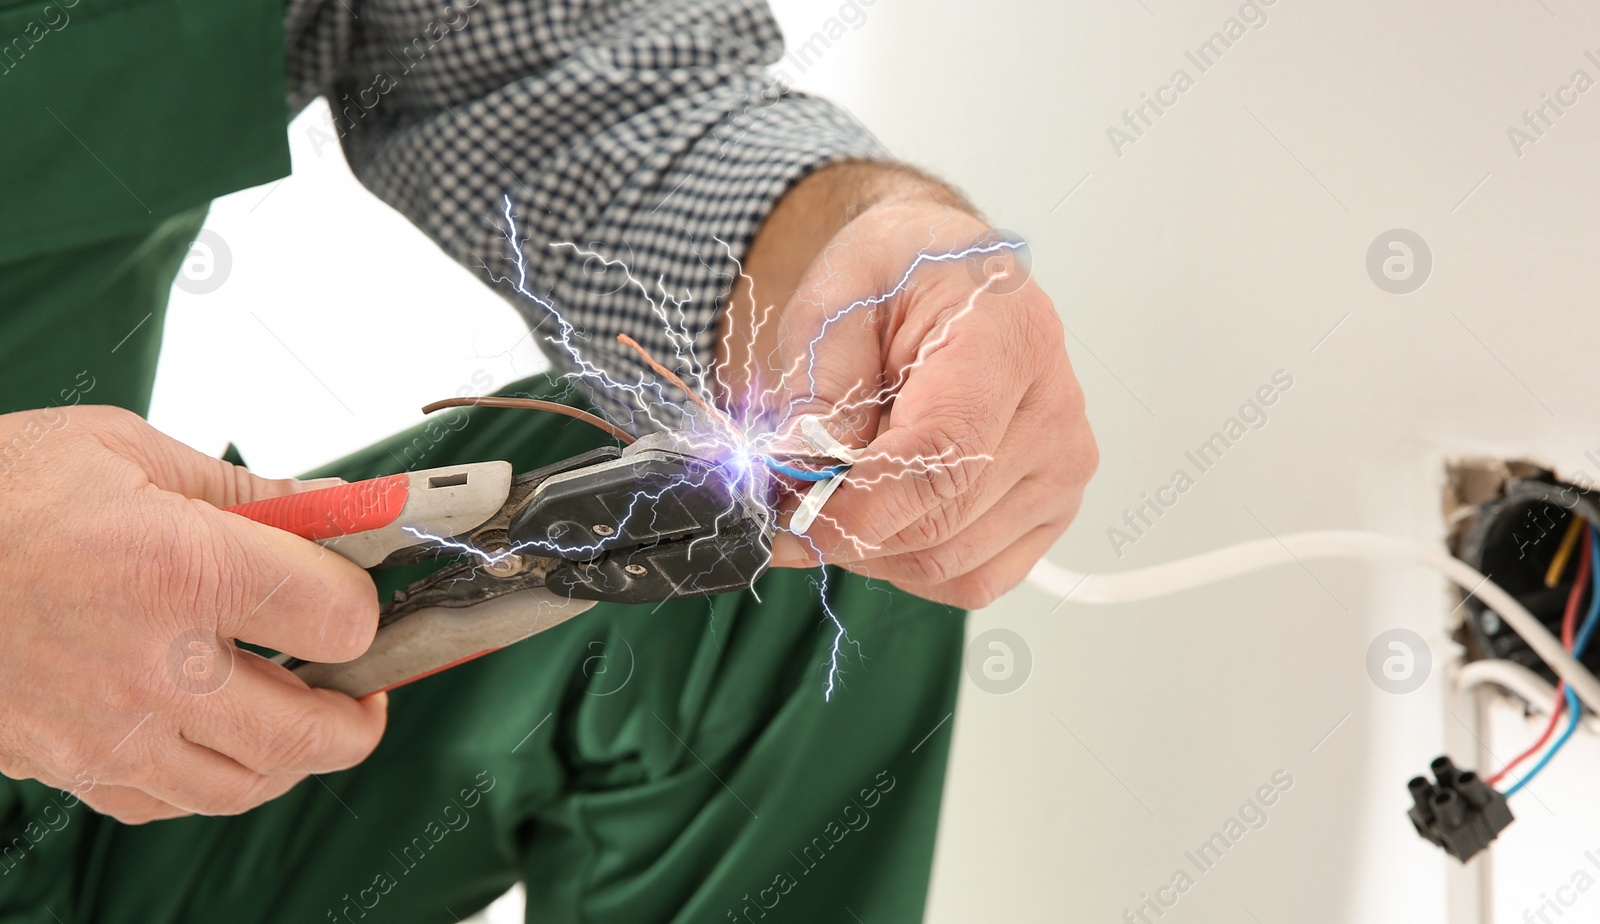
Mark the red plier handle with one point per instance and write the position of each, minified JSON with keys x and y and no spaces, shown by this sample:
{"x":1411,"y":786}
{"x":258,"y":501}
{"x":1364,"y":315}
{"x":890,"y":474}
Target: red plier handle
{"x":366,"y":522}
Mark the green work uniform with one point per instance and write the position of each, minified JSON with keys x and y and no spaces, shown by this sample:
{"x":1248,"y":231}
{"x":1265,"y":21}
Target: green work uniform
{"x":637,"y":764}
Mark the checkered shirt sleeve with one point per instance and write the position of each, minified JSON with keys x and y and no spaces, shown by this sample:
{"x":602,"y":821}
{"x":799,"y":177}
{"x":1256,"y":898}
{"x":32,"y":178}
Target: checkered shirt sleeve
{"x":639,"y":133}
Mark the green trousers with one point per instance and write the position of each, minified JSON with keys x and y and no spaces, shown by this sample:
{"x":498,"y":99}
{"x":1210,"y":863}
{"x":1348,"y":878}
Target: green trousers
{"x":671,"y":763}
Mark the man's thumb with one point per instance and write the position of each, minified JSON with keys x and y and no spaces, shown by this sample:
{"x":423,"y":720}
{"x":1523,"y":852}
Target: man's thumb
{"x":173,"y":466}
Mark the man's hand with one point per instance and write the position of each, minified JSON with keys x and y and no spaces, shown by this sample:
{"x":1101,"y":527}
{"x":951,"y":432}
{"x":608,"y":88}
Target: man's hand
{"x":123,"y":586}
{"x":958,"y":385}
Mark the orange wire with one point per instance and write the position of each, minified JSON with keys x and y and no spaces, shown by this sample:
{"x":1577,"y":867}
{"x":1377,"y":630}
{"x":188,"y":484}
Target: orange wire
{"x":1552,"y":575}
{"x":537,"y":405}
{"x":672,"y":377}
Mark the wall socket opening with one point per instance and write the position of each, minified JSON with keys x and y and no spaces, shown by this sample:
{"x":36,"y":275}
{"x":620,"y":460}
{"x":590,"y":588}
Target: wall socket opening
{"x":1509,"y":519}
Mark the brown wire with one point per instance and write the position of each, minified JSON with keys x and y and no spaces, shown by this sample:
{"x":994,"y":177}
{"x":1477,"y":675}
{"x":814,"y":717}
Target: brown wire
{"x":534,"y":404}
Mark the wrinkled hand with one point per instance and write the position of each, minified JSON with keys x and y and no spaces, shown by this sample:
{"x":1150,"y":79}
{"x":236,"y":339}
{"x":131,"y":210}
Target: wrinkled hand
{"x":960,"y":389}
{"x":124,"y":586}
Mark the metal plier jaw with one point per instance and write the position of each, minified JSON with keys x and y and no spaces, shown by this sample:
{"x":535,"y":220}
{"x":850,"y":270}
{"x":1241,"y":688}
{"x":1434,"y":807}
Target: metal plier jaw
{"x":659,"y":519}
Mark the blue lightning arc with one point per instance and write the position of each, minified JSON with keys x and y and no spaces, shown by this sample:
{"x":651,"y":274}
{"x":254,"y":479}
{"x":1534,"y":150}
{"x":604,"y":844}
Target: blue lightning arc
{"x":740,"y":443}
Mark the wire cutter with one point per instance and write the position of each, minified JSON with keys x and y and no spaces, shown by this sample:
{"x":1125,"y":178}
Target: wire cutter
{"x":655,"y":520}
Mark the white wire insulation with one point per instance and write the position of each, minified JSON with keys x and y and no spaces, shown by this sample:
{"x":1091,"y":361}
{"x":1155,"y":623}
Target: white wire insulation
{"x":1514,"y":678}
{"x":1246,"y":557}
{"x":1511,"y":677}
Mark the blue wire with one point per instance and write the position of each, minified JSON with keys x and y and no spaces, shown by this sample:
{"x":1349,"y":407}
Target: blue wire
{"x":1592,"y":619}
{"x":801,"y":474}
{"x":1579,"y":645}
{"x":1576,"y":709}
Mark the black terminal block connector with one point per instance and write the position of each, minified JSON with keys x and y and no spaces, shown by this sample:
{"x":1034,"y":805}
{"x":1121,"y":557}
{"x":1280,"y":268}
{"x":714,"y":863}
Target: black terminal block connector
{"x":1459,"y":812}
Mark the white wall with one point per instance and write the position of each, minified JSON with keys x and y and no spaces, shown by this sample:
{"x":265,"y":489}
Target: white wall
{"x":1223,"y":245}
{"x":343,"y":319}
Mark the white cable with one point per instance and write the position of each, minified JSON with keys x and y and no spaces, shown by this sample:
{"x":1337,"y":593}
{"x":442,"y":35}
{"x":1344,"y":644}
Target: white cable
{"x":1515,"y":678}
{"x":1221,"y":564}
{"x":1510,"y":676}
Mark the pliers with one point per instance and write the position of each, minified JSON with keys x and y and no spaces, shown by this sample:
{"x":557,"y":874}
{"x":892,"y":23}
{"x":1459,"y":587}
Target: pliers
{"x":663,"y":517}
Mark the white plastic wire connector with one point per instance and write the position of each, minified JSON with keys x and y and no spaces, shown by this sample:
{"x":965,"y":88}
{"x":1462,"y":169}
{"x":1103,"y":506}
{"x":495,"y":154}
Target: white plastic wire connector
{"x":826,"y":444}
{"x":811,"y":505}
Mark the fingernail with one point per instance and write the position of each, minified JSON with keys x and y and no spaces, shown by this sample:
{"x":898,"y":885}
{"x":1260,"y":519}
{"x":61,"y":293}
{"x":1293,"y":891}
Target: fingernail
{"x":790,"y":552}
{"x":381,"y":698}
{"x":316,"y":484}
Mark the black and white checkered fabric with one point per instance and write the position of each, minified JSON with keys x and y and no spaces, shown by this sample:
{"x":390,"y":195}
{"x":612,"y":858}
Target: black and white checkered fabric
{"x":643,"y":131}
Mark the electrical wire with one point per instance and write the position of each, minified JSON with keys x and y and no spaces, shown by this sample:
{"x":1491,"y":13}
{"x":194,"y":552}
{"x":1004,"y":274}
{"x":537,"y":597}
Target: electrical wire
{"x":1574,"y":707}
{"x":534,"y":404}
{"x":1509,"y":676}
{"x":1523,"y":682}
{"x":1293,"y":548}
{"x":1558,"y":562}
{"x":1588,"y":568}
{"x":1568,"y":638}
{"x":672,"y":377}
{"x":1592,"y":618}
{"x":800,"y":474}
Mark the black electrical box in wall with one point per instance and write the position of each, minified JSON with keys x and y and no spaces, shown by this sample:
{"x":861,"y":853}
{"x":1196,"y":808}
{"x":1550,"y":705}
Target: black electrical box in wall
{"x":1513,"y":539}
